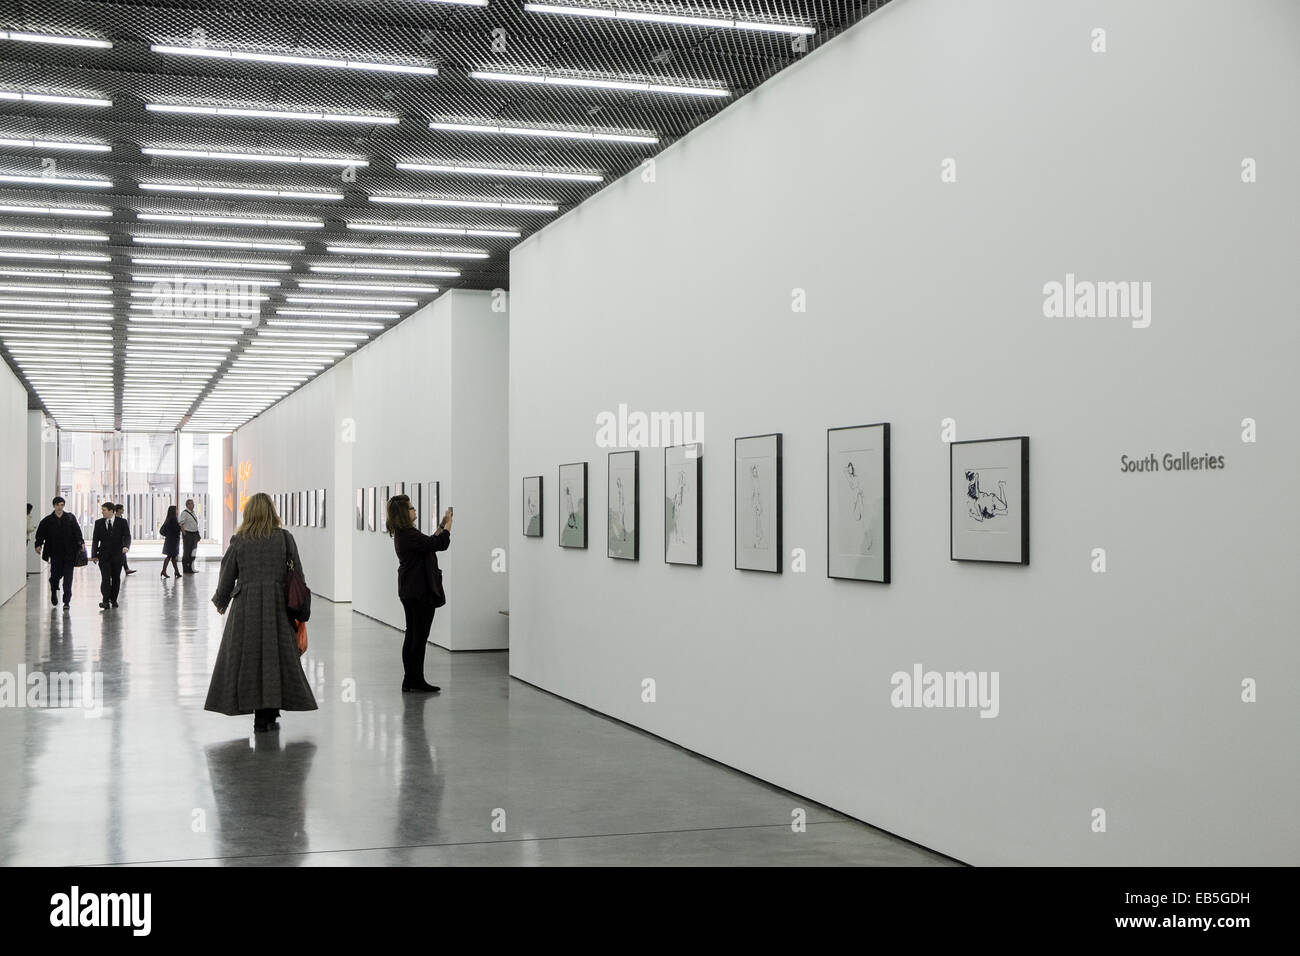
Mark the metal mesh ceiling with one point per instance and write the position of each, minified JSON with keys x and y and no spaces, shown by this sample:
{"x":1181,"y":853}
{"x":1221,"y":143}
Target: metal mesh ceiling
{"x":125,"y":374}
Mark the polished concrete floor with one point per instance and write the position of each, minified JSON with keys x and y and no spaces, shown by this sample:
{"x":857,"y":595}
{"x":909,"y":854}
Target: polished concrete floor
{"x":490,"y":772}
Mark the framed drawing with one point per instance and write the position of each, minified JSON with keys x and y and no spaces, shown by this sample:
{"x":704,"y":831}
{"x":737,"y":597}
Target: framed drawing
{"x":623,"y":503}
{"x":758,"y":503}
{"x":361,"y":509}
{"x":989,"y":500}
{"x":311,"y":508}
{"x":320,"y":506}
{"x":413,"y":489}
{"x":433,"y":505}
{"x":533,"y":507}
{"x":573,"y":505}
{"x":683,"y":519}
{"x":292,"y":508}
{"x":302,"y":509}
{"x":857,"y":503}
{"x":372,"y":494}
{"x":381,"y":516}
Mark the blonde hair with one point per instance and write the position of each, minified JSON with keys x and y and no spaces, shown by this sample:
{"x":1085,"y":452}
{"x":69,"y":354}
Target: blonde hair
{"x":260,"y":518}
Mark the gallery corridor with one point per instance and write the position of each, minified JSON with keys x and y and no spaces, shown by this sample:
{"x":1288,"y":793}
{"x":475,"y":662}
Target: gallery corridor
{"x":380,"y":778}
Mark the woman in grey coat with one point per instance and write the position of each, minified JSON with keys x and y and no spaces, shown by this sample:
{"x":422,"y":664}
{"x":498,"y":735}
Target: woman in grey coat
{"x":257,"y":670}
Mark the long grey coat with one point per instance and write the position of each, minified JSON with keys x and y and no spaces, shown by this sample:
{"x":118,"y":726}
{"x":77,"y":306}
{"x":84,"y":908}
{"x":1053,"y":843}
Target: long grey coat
{"x":257,"y":665}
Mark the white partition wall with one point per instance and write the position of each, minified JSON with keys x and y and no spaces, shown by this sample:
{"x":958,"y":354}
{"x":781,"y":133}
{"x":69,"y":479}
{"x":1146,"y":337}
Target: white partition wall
{"x":13,"y":484}
{"x":872,"y":237}
{"x":296,"y":446}
{"x":42,"y":475}
{"x":430,"y":400}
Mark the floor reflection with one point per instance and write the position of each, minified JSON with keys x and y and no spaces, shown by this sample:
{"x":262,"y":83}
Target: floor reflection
{"x":259,"y":788}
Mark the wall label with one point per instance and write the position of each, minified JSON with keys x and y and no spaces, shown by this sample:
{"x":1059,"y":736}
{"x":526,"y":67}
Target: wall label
{"x":1172,"y":462}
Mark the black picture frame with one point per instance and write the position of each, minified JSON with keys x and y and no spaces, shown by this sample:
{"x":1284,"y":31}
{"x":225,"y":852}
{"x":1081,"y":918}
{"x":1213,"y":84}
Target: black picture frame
{"x":584,"y":518}
{"x":361,"y":509}
{"x":434,"y":500}
{"x":698,"y":458}
{"x":320,"y":506}
{"x":780,"y":512}
{"x":885,"y":505}
{"x":1022,"y":459}
{"x":636,"y":505}
{"x":540,"y":513}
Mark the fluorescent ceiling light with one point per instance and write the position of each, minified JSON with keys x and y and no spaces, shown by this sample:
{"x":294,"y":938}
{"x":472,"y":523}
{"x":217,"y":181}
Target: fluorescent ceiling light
{"x":381,"y":271}
{"x":190,"y":294}
{"x":340,"y":315}
{"x":326,"y":300}
{"x":164,"y":340}
{"x":638,"y":86}
{"x":466,"y":203}
{"x":351,"y":336}
{"x":52,"y":98}
{"x":70,"y":326}
{"x":239,"y":191}
{"x":543,"y":132}
{"x":362,"y":287}
{"x":207,"y":280}
{"x":490,"y":171}
{"x":239,"y":243}
{"x":61,"y":211}
{"x":55,"y":144}
{"x":230,"y":220}
{"x":56,"y":236}
{"x":58,"y":303}
{"x":172,"y":330}
{"x":56,"y":256}
{"x":213,"y":264}
{"x":76,"y":316}
{"x":329,"y":62}
{"x":189,"y":322}
{"x":272,"y":114}
{"x":252,"y":157}
{"x":56,"y":289}
{"x":34,"y":274}
{"x":56,"y":181}
{"x":435,"y":230}
{"x":297,"y":324}
{"x":605,"y":13}
{"x":415,"y":253}
{"x":55,"y":40}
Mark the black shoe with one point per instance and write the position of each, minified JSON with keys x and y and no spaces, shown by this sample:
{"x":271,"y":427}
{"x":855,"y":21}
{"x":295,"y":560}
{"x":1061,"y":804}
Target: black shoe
{"x":130,"y":571}
{"x":424,"y":687}
{"x":54,"y":600}
{"x":265,"y":728}
{"x":103,"y":604}
{"x":114,"y":603}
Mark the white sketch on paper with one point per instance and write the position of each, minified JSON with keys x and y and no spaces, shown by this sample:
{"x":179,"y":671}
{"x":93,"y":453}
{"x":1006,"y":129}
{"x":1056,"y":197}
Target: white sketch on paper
{"x":758,"y":532}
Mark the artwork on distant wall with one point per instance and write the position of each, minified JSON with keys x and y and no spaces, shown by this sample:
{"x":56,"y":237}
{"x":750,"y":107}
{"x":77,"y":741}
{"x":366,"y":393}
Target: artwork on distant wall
{"x":361,"y":509}
{"x":292,"y":510}
{"x":381,"y":519}
{"x":572,"y":496}
{"x":434,"y":503}
{"x":683,"y":519}
{"x":372,"y":504}
{"x":320,"y":507}
{"x":857,"y":503}
{"x":302,"y":509}
{"x":989,"y":507}
{"x":758,"y":503}
{"x":414,"y":492}
{"x":311,"y":508}
{"x":623,"y":505}
{"x":533,"y":507}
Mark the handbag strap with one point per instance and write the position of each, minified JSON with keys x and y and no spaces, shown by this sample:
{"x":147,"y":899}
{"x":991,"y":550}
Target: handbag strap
{"x":288,"y":555}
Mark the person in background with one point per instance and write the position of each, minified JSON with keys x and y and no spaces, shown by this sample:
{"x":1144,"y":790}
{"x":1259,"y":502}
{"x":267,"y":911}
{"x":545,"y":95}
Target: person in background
{"x":120,"y":511}
{"x":61,"y":536}
{"x":414,"y":551}
{"x":108,"y":547}
{"x":171,"y":535}
{"x":31,"y":526}
{"x":257,"y":670}
{"x":190,"y":534}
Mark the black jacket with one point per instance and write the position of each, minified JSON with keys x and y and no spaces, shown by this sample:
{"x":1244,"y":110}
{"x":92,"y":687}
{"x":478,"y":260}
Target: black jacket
{"x":413,"y":551}
{"x":110,"y":537}
{"x":61,"y":536}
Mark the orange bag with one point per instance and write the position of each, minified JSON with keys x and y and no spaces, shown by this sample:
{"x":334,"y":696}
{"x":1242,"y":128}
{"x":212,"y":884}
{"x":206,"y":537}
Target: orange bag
{"x":302,"y":638}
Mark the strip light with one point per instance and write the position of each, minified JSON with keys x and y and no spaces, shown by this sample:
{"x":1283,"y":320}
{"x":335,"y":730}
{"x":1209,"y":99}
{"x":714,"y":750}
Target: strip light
{"x":58,"y":303}
{"x":61,"y":211}
{"x":361,"y":287}
{"x":59,"y":256}
{"x":155,"y":293}
{"x":74,"y":316}
{"x":56,"y":289}
{"x":380,"y":271}
{"x":600,"y":135}
{"x":232,"y":280}
{"x":326,"y":300}
{"x":32,"y":274}
{"x":340,"y":64}
{"x":414,"y":253}
{"x":488,"y":171}
{"x":218,"y":243}
{"x":435,"y":230}
{"x":297,"y":324}
{"x":340,"y":315}
{"x":235,"y":191}
{"x":52,"y":98}
{"x":229,"y":220}
{"x":272,"y":114}
{"x":55,"y":144}
{"x":213,"y":264}
{"x":466,"y":203}
{"x":56,"y":181}
{"x":55,"y":40}
{"x":675,"y":18}
{"x":636,"y":86}
{"x":70,"y":236}
{"x":252,"y":157}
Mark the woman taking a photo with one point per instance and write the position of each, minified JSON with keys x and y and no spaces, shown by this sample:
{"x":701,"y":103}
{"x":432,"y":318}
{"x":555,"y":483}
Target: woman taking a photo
{"x":171,"y":534}
{"x":257,"y":670}
{"x":419,"y":584}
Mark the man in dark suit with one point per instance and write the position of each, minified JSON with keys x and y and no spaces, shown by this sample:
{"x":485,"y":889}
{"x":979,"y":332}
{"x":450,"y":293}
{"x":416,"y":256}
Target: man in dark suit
{"x":108,"y":547}
{"x":60,"y":536}
{"x":120,"y":511}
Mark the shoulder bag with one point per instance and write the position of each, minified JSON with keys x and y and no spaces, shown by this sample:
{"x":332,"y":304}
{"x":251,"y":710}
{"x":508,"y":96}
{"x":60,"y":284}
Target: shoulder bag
{"x":297,"y":595}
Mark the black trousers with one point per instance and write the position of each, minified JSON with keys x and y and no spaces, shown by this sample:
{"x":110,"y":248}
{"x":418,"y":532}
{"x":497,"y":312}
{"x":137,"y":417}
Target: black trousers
{"x":110,"y":575}
{"x":191,"y":544}
{"x":419,"y":621}
{"x":61,"y":570}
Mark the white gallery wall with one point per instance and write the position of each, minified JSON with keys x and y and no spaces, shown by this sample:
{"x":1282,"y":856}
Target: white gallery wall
{"x":296,"y":445}
{"x":13,"y":484}
{"x":430,"y":400}
{"x":914,"y":185}
{"x":42,"y":476}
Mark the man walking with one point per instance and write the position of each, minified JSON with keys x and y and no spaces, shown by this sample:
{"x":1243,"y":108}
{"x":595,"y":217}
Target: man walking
{"x":190,"y":536}
{"x":120,"y":511}
{"x":60,"y":534}
{"x":108,"y":547}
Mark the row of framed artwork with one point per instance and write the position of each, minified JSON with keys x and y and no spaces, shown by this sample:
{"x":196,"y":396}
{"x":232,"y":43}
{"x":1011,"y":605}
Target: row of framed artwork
{"x":372,"y":504}
{"x":300,"y":509}
{"x":988,"y":506}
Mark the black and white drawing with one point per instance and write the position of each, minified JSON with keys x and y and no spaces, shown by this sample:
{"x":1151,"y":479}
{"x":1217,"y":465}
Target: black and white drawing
{"x":683,"y":523}
{"x":533,"y":506}
{"x":857,"y":503}
{"x":623,"y":504}
{"x":573,"y":505}
{"x":758,"y":503}
{"x":989,"y":507}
